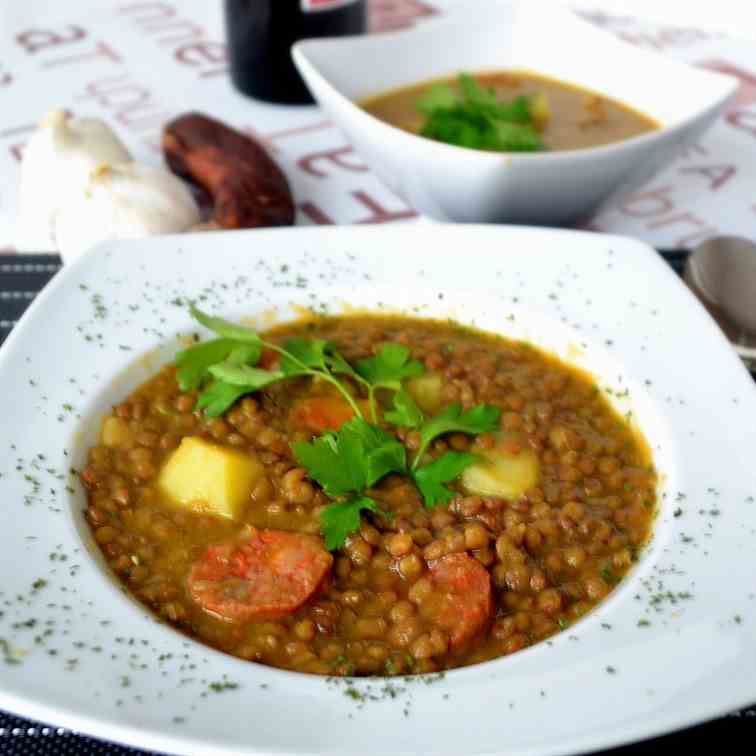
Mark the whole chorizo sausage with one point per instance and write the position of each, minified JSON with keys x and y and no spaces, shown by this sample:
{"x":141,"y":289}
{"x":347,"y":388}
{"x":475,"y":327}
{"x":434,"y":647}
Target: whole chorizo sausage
{"x":247,"y":188}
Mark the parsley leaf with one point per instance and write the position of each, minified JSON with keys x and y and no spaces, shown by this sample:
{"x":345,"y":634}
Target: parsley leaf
{"x":253,"y":378}
{"x":192,"y":363}
{"x":225,"y":328}
{"x":429,"y":478}
{"x":300,"y":354}
{"x":480,"y":419}
{"x":352,"y":459}
{"x":245,"y":354}
{"x":231,"y":360}
{"x":339,"y":520}
{"x":219,"y":396}
{"x":389,"y":367}
{"x":474,"y":117}
{"x":406,"y":412}
{"x":322,"y":460}
{"x":345,"y":463}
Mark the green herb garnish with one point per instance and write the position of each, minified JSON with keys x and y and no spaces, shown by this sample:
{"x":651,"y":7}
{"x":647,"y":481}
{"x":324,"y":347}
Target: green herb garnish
{"x":475,"y":118}
{"x":239,"y":349}
{"x":348,"y":462}
{"x":343,"y":518}
{"x":405,"y":412}
{"x":482,"y":418}
{"x":430,"y":478}
{"x":345,"y":464}
{"x":387,"y":370}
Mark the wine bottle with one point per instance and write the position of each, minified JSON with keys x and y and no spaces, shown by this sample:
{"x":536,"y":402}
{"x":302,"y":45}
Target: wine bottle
{"x":260,"y":34}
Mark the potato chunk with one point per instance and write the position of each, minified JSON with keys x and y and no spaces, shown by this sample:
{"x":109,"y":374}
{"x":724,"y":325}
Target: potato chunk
{"x":205,"y":477}
{"x":425,"y":389}
{"x":116,"y":433}
{"x":502,"y":473}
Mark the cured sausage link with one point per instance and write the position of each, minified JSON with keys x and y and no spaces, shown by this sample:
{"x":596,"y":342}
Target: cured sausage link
{"x":462,"y":603}
{"x":248,"y":189}
{"x":267,"y":576}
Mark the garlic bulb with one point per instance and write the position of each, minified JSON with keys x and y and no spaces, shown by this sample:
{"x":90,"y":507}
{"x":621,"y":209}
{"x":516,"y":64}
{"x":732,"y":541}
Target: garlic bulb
{"x":126,"y":201}
{"x":58,"y":160}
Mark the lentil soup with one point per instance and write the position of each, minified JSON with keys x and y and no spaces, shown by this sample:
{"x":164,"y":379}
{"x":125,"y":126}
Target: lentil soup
{"x":382,"y":496}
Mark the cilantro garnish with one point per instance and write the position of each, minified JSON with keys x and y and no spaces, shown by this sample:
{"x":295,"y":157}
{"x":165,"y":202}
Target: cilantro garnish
{"x":475,"y":118}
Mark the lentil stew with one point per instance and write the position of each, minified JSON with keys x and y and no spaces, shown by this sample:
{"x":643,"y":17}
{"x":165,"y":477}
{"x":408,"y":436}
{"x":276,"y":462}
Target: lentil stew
{"x":486,"y":497}
{"x":563,"y":116}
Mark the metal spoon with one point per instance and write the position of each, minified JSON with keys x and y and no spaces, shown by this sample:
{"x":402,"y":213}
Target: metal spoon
{"x":722,"y":273}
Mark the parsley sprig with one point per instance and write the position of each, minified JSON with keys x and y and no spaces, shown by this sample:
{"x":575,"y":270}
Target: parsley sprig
{"x":230,"y":361}
{"x":348,"y":462}
{"x":345,"y":464}
{"x":474,"y":117}
{"x":387,"y":369}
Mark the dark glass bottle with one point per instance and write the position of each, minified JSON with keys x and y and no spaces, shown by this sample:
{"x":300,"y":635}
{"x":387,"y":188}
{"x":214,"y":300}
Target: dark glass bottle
{"x":260,"y":34}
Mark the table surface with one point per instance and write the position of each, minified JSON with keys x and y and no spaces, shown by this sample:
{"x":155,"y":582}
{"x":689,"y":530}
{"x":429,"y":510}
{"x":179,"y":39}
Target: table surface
{"x":136,"y":65}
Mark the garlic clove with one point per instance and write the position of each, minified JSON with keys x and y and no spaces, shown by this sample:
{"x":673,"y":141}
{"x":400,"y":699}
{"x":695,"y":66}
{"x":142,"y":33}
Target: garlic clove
{"x":56,"y":161}
{"x":126,"y":201}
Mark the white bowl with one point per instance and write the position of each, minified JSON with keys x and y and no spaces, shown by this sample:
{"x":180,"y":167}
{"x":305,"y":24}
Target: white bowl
{"x":104,"y":666}
{"x":459,"y":184}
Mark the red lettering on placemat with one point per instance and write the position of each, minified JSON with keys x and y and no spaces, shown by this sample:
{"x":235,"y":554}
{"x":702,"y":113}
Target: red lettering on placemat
{"x":267,"y":140}
{"x":378,"y":213}
{"x":101,"y":50}
{"x":335,"y":157}
{"x":315,"y":214}
{"x":130,"y":103}
{"x":662,"y":39}
{"x":34,"y":40}
{"x":186,"y":40}
{"x":738,"y":114}
{"x":746,"y":94}
{"x":717,"y":175}
{"x":385,"y":15}
{"x":648,"y":203}
{"x":16,"y":148}
{"x":658,"y":208}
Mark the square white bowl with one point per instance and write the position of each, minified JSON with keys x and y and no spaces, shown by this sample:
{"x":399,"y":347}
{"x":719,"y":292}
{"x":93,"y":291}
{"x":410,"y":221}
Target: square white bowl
{"x":460,"y":184}
{"x":104,"y":666}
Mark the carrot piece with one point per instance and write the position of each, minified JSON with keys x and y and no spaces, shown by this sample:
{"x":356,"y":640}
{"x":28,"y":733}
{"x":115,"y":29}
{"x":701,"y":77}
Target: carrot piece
{"x":269,"y":359}
{"x":322,"y":413}
{"x":268,"y":576}
{"x":462,"y":603}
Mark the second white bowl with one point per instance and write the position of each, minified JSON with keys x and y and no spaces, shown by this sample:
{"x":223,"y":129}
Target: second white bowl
{"x":459,"y":184}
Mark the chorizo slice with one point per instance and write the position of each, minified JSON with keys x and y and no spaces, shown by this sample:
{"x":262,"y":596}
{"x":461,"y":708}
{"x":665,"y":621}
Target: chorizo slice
{"x":462,"y":603}
{"x":267,"y":576}
{"x":247,"y":188}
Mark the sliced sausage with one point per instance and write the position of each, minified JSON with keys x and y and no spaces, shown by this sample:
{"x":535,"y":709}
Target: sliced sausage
{"x":461,"y":603}
{"x":267,"y":576}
